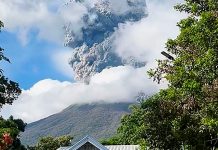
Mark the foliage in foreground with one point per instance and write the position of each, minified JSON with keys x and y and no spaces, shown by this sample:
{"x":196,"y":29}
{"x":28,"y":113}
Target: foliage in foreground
{"x":51,"y":143}
{"x":10,"y":128}
{"x":184,"y":115}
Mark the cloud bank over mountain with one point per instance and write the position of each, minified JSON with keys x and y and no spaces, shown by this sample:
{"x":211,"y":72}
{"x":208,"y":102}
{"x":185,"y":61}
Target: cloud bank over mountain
{"x":111,"y":54}
{"x":118,"y":84}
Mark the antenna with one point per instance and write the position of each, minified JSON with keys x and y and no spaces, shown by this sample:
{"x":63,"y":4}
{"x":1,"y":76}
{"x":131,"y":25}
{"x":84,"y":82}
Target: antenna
{"x":167,"y":55}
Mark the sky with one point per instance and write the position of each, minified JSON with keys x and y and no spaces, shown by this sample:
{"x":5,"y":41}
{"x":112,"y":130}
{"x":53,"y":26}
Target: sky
{"x":33,"y":39}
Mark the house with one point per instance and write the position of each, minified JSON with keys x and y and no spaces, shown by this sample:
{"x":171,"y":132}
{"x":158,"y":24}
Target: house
{"x":89,"y":143}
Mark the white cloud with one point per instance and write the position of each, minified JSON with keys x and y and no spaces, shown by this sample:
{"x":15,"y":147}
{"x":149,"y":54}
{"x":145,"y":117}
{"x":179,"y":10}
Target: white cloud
{"x":48,"y":17}
{"x":119,"y":7}
{"x":119,"y":84}
{"x":45,"y":16}
{"x":60,"y":59}
{"x":146,"y":39}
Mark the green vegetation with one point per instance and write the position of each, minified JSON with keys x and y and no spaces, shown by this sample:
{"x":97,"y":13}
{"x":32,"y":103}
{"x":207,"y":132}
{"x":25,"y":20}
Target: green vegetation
{"x":10,"y":128}
{"x":184,"y":115}
{"x":51,"y":143}
{"x":9,"y":90}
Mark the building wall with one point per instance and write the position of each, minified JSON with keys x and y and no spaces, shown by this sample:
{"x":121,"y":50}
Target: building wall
{"x":88,"y":146}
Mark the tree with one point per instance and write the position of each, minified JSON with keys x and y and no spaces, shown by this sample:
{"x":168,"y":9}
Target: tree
{"x":10,"y":128}
{"x":193,"y":75}
{"x":184,"y":115}
{"x":132,"y":124}
{"x":9,"y":90}
{"x":131,"y":130}
{"x":51,"y":143}
{"x":114,"y":140}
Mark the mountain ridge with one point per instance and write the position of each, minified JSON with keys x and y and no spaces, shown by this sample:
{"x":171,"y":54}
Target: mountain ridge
{"x":99,"y":120}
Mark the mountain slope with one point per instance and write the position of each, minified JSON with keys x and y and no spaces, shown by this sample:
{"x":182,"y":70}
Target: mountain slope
{"x":98,"y":120}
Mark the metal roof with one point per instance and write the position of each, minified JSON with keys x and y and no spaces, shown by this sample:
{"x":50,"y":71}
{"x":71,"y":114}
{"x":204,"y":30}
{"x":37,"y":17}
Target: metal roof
{"x":122,"y":147}
{"x":99,"y":146}
{"x":63,"y":148}
{"x":84,"y":141}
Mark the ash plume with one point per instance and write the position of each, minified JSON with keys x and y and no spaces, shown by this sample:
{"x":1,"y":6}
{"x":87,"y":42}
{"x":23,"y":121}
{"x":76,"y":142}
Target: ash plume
{"x":92,"y":44}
